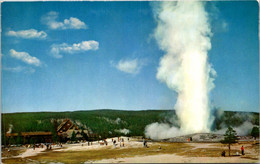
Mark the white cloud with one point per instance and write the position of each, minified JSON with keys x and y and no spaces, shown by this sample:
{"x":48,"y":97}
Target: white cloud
{"x":19,"y":69}
{"x":129,"y":66}
{"x":28,"y":34}
{"x":50,"y":19}
{"x":57,"y":49}
{"x":25,"y":57}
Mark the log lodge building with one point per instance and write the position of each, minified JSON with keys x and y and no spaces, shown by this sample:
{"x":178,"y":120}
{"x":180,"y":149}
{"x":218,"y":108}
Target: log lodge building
{"x":64,"y":132}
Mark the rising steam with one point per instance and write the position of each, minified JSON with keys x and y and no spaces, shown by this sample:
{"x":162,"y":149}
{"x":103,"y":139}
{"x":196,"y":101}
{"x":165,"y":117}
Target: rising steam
{"x":183,"y":33}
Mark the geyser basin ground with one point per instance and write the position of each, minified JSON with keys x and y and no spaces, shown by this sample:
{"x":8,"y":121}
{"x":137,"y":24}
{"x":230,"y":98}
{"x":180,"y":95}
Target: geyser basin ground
{"x":197,"y":137}
{"x":134,"y":152}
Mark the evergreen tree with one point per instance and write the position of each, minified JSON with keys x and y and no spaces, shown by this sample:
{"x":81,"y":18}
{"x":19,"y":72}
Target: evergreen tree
{"x":54,"y":132}
{"x":19,"y":138}
{"x":230,"y":138}
{"x":73,"y":136}
{"x":84,"y":135}
{"x":11,"y":140}
{"x":32,"y":140}
{"x":255,"y":132}
{"x":3,"y":139}
{"x":55,"y":137}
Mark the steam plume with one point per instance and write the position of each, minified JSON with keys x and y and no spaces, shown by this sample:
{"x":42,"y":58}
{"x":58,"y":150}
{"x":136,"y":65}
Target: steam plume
{"x":183,"y":32}
{"x":10,"y":128}
{"x":242,"y":130}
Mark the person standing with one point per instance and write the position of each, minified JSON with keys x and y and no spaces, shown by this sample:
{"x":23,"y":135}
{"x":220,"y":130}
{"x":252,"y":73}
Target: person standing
{"x":223,"y":154}
{"x":114,"y":143}
{"x":242,"y":150}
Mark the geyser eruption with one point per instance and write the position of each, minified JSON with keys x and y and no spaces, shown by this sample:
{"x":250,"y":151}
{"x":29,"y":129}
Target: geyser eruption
{"x":183,"y":32}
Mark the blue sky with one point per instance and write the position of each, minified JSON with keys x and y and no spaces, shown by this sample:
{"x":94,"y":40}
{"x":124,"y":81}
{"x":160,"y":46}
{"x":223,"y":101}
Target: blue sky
{"x":60,"y":56}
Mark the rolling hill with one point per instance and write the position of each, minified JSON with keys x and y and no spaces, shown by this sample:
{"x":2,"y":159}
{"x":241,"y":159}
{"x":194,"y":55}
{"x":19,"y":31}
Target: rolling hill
{"x":108,"y":123}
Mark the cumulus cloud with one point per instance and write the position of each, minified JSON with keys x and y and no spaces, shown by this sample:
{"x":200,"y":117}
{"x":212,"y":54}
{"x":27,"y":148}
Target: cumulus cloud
{"x":50,"y":19}
{"x":57,"y":49}
{"x":28,"y":34}
{"x":19,"y":69}
{"x":129,"y":66}
{"x":25,"y":57}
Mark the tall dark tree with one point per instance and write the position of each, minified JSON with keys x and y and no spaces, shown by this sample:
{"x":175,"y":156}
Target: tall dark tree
{"x":73,"y":136}
{"x":32,"y":140}
{"x":3,"y":139}
{"x":55,"y":136}
{"x":19,"y":139}
{"x":230,"y":138}
{"x":11,"y":141}
{"x":84,"y":135}
{"x":255,"y":132}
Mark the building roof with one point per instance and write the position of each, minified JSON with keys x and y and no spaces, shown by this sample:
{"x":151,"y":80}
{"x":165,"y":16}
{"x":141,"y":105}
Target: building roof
{"x":62,"y":124}
{"x":68,"y":132}
{"x":36,"y":133}
{"x":73,"y":125}
{"x":29,"y":134}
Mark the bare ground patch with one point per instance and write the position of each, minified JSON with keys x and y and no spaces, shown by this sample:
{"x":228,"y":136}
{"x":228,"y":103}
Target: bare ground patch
{"x":184,"y":150}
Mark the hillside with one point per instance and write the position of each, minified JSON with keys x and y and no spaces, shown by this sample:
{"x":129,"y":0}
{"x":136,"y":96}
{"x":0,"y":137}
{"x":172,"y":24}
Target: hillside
{"x":111,"y":122}
{"x":99,"y":121}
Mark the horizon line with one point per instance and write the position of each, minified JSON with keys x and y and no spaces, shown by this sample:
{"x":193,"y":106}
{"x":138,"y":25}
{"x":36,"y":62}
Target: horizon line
{"x":86,"y":110}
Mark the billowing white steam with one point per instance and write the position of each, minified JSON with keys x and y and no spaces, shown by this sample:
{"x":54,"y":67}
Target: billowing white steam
{"x":10,"y":128}
{"x":183,"y":32}
{"x":161,"y":131}
{"x":123,"y":131}
{"x":241,"y":130}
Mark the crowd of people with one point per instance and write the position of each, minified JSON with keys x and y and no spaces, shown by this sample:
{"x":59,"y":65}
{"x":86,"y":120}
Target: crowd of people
{"x":121,"y":141}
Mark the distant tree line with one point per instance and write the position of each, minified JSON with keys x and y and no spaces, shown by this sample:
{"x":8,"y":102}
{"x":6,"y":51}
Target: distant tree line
{"x":105,"y":123}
